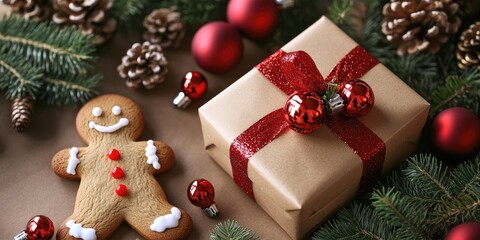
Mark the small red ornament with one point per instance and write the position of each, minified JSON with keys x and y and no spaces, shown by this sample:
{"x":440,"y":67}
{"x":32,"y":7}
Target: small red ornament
{"x":114,"y":154}
{"x":200,"y":192}
{"x":358,"y":97}
{"x":456,"y":133}
{"x":217,"y":47}
{"x":465,"y":231}
{"x":194,"y":86}
{"x":256,"y":18}
{"x":305,"y":112}
{"x":117,"y":172}
{"x":38,"y":228}
{"x":121,"y":190}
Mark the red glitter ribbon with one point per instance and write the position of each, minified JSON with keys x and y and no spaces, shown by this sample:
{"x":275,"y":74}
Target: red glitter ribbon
{"x":296,"y":72}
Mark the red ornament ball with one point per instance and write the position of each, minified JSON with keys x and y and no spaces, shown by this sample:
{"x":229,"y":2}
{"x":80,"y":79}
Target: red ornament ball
{"x":201,"y":193}
{"x":117,"y":172}
{"x":40,"y":228}
{"x":194,"y":85}
{"x":114,"y":154}
{"x":465,"y":231}
{"x":456,"y":132}
{"x":256,"y":18}
{"x":305,"y":112}
{"x":121,"y":190}
{"x":358,"y":97}
{"x":217,"y":47}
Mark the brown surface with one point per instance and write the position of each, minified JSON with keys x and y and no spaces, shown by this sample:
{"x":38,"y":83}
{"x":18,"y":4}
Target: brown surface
{"x":29,"y":187}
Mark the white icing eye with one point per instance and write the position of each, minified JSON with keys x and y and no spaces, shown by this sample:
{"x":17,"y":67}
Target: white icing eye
{"x":96,"y":111}
{"x":116,"y":110}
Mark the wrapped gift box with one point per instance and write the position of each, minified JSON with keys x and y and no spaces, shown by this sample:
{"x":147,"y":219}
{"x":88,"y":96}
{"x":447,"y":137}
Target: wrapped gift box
{"x":298,"y":179}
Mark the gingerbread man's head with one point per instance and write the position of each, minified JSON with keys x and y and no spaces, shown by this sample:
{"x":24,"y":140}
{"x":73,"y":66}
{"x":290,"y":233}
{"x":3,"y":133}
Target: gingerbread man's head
{"x":109,"y":116}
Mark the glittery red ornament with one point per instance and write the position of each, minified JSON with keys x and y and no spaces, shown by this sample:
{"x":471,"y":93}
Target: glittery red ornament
{"x":117,"y":172}
{"x":201,"y":193}
{"x":38,"y":228}
{"x":456,"y":133}
{"x":121,"y":190}
{"x":305,"y":112}
{"x":256,"y":18}
{"x":358,"y":97}
{"x":194,"y":86}
{"x":465,"y":231}
{"x":114,"y":154}
{"x":217,"y":47}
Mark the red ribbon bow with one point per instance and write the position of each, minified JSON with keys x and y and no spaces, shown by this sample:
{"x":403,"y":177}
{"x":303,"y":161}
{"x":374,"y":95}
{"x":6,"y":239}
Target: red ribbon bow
{"x":296,"y":72}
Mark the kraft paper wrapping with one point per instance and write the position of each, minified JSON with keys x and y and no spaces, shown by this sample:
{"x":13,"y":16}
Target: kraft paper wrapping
{"x":300,"y":180}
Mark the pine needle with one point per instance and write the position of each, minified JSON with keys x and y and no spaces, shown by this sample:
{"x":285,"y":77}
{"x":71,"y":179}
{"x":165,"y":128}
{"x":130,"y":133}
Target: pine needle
{"x":49,"y":47}
{"x":461,"y":90}
{"x":231,"y":230}
{"x":18,"y":78}
{"x":69,"y":89}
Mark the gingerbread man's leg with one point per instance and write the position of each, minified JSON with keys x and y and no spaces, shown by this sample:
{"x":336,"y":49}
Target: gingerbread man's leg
{"x":157,"y":219}
{"x":91,"y":220}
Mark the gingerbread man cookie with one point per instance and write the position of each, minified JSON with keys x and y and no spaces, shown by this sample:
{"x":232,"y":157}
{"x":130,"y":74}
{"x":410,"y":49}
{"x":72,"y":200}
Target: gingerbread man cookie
{"x":116,"y":175}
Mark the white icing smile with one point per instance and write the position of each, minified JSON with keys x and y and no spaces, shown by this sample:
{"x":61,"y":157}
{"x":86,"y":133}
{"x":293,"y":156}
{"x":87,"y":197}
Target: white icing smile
{"x":109,"y":129}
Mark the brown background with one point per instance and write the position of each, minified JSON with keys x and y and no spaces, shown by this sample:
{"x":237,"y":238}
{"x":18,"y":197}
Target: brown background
{"x":29,"y":187}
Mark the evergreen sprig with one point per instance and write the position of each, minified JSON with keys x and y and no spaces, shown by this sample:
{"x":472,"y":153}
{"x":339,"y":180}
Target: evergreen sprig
{"x":69,"y":90}
{"x":463,"y":90}
{"x":231,"y":230}
{"x":128,"y":12}
{"x":45,"y":62}
{"x":18,"y":78}
{"x":50,"y":48}
{"x":194,"y":13}
{"x":421,"y":200}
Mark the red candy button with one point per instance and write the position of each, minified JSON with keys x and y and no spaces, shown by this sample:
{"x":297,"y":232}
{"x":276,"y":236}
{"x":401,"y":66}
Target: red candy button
{"x":117,"y":172}
{"x":121,"y":190}
{"x":114,"y":154}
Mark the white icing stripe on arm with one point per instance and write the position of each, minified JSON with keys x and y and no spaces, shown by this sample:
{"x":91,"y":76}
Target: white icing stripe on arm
{"x":76,"y":230}
{"x":166,"y":221}
{"x":73,"y":161}
{"x":151,"y":153}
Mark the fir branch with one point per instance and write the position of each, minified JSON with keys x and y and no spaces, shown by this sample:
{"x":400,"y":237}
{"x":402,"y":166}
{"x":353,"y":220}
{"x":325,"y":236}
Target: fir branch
{"x":50,"y":48}
{"x":399,"y":211}
{"x":198,"y":12}
{"x":69,"y":89}
{"x":467,"y":178}
{"x":18,"y":78}
{"x":231,"y":230}
{"x":355,"y":222}
{"x":398,"y":205}
{"x":461,"y":90}
{"x":129,"y":12}
{"x":430,"y":178}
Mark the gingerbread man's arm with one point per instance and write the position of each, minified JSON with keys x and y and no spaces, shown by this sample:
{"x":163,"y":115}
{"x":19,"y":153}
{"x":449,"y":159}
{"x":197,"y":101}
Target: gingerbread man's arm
{"x":66,"y":163}
{"x":159,"y":155}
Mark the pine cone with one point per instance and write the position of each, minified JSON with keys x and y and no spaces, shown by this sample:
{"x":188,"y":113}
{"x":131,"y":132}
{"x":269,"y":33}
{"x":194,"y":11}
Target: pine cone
{"x":145,"y":64}
{"x":22,"y":109}
{"x":468,"y":49}
{"x":91,"y":16}
{"x":30,"y":9}
{"x":419,"y":25}
{"x":165,"y":27}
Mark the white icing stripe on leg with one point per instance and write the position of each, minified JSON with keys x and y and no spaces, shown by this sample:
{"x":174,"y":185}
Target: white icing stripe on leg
{"x":151,"y":153}
{"x":73,"y":161}
{"x":166,"y":221}
{"x":76,"y":230}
